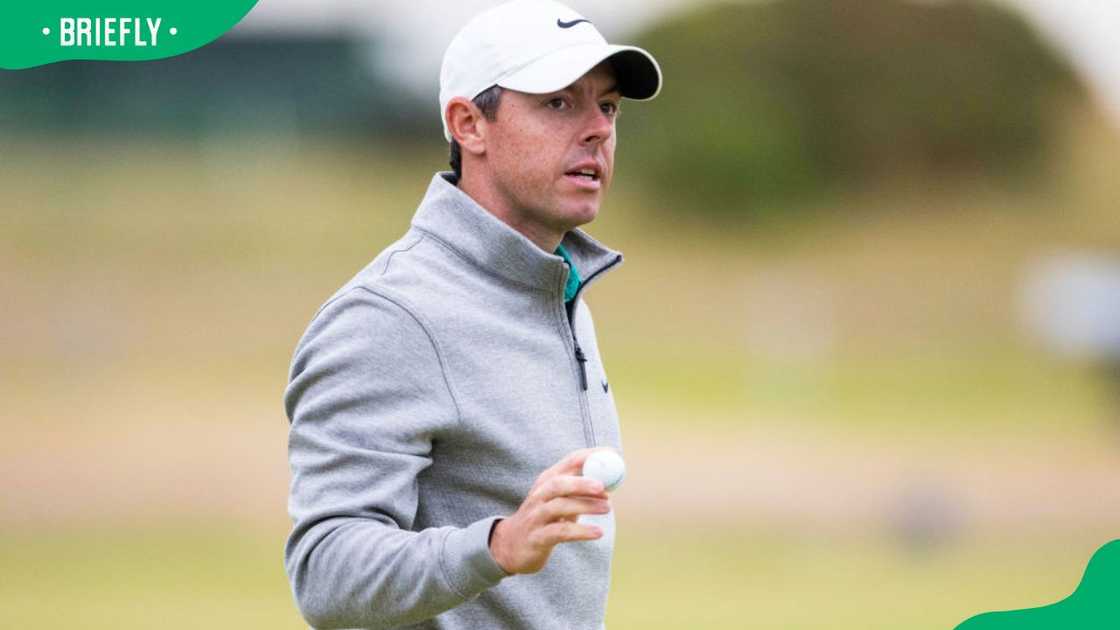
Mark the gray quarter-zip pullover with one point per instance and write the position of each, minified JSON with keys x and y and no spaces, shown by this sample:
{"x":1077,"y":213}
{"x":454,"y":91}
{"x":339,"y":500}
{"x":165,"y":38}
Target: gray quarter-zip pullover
{"x":425,"y":397}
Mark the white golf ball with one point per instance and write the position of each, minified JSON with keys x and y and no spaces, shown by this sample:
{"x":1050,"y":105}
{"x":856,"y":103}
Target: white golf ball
{"x":606,"y":466}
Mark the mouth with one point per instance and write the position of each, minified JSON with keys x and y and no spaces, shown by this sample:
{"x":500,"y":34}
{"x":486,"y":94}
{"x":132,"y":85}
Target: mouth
{"x":587,"y":178}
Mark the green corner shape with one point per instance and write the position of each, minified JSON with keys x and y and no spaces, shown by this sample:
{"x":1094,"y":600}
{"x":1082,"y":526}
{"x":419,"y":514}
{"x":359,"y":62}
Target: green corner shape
{"x":1095,"y":604}
{"x":38,"y":32}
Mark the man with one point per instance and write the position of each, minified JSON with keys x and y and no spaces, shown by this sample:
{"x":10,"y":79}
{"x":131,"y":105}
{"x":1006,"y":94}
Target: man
{"x":443,"y":401}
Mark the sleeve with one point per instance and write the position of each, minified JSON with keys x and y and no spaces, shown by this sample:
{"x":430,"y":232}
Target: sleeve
{"x":366,"y":395}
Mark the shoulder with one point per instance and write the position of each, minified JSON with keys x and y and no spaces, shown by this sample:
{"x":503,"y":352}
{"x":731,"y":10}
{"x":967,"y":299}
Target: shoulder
{"x":386,"y":309}
{"x":412,"y":268}
{"x":365,"y":315}
{"x":369,"y":316}
{"x":383,"y":283}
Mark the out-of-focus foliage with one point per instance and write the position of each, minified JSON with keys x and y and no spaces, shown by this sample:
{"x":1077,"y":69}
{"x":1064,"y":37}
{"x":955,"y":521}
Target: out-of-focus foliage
{"x":778,"y":100}
{"x":321,"y":85}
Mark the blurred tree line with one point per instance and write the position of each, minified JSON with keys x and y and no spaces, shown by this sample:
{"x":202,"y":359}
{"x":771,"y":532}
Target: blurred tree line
{"x":322,"y":85}
{"x":772,"y":101}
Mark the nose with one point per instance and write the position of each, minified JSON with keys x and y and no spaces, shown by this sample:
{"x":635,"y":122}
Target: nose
{"x":599,"y":127}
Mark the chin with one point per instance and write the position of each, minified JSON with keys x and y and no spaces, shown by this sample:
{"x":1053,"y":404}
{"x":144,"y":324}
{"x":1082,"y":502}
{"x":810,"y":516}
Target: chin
{"x":588,"y":208}
{"x":583,"y":216}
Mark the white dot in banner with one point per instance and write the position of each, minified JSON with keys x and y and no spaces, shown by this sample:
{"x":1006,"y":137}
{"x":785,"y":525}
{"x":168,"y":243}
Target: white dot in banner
{"x":46,"y":30}
{"x":174,"y":31}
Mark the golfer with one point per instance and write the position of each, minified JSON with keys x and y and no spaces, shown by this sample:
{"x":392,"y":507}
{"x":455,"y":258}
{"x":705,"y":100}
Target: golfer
{"x":442,"y":401}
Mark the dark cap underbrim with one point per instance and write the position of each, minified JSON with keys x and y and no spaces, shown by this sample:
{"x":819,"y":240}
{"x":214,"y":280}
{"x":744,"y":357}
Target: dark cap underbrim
{"x":639,"y":77}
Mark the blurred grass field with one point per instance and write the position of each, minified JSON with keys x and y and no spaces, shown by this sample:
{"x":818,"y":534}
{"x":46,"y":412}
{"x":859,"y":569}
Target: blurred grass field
{"x":154,"y":292}
{"x":206,"y":574}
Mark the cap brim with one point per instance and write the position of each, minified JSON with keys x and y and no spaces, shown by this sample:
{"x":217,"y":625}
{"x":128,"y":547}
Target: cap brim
{"x":639,"y":76}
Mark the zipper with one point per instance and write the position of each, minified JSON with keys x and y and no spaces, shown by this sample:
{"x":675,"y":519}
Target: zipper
{"x":582,"y":366}
{"x":570,"y":308}
{"x":580,"y":357}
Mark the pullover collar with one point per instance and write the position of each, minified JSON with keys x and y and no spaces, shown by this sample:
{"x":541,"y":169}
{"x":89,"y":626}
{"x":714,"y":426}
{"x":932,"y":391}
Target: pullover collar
{"x":484,"y":241}
{"x":572,"y":286}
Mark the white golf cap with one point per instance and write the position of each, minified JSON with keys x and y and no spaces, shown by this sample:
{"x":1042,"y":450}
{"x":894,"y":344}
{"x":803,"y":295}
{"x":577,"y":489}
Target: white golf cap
{"x":536,"y":46}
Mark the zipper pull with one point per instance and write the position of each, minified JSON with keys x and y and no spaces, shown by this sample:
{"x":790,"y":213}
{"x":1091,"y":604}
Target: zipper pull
{"x":582,"y":367}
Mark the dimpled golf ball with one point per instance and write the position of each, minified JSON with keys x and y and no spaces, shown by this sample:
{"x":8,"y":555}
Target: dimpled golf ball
{"x":606,"y":466}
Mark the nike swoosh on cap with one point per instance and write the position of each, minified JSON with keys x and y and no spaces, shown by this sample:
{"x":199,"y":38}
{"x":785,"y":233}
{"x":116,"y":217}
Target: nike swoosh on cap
{"x":563,"y":24}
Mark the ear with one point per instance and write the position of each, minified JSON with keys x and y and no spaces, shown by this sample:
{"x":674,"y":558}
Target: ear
{"x":467,"y":125}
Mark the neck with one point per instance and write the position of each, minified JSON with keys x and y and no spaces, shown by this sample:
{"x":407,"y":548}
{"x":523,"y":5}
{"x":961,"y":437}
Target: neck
{"x":486,"y":196}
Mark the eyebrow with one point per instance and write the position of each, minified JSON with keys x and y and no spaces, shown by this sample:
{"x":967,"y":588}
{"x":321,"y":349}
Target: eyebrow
{"x":613,"y":89}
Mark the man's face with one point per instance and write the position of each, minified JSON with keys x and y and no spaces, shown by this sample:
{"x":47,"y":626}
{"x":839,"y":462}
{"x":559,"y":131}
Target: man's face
{"x":539,"y":143}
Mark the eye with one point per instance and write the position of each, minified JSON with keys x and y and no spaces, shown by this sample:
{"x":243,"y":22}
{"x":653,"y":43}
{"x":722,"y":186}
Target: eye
{"x":557,"y":103}
{"x":610,"y":108}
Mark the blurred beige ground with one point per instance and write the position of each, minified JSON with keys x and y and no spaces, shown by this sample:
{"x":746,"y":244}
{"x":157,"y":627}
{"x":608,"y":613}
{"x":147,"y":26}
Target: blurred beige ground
{"x":802,"y":478}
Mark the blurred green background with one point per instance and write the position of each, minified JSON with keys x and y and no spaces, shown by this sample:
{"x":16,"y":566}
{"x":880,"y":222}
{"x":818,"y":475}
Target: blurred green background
{"x":835,"y":412}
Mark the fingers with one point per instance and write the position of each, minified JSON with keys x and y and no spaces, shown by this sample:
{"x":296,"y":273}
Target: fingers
{"x":566,"y":508}
{"x":570,"y":464}
{"x":564,"y":531}
{"x":549,"y":515}
{"x":523,"y":542}
{"x":567,"y":485}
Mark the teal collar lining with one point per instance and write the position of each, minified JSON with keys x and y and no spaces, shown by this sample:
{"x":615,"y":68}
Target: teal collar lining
{"x":572,"y":286}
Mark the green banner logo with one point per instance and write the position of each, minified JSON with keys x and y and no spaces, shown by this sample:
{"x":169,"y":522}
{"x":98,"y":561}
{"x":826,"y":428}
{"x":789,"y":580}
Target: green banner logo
{"x":37,"y":33}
